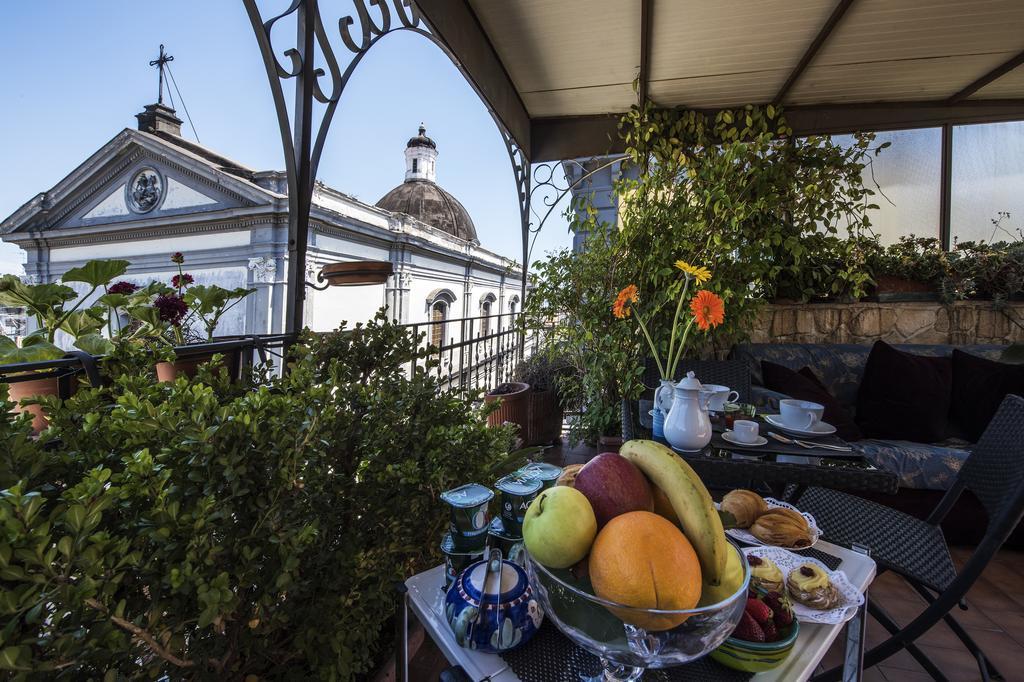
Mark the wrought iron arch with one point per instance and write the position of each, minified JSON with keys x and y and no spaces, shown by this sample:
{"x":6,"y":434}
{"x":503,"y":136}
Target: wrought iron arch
{"x":303,"y":142}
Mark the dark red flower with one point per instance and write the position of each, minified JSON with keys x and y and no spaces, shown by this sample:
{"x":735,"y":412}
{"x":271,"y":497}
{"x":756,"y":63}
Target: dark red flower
{"x":181,"y":281}
{"x":172,"y":308}
{"x":122,"y":288}
{"x":177,"y":258}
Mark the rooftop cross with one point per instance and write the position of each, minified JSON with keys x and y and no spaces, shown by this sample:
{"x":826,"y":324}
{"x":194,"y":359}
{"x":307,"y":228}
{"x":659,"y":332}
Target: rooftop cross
{"x":159,"y":63}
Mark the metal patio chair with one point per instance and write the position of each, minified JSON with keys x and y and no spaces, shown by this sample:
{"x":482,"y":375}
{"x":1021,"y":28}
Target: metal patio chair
{"x":917,"y":550}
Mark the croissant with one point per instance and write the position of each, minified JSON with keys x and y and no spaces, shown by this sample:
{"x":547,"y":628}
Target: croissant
{"x":783,"y":528}
{"x":745,"y":506}
{"x":568,"y":477}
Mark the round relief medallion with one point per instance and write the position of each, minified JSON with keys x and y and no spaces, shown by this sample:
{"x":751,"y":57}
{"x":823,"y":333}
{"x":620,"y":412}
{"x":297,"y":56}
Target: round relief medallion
{"x":145,"y":190}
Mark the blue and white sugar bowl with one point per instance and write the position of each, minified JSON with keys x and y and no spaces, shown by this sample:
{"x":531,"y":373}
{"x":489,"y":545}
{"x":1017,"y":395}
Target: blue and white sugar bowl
{"x":490,"y":606}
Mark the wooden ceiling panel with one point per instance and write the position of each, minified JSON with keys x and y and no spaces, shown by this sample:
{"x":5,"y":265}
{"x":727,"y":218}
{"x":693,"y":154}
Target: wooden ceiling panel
{"x":893,"y":30}
{"x":699,"y":38}
{"x":717,"y":91}
{"x":603,"y":99}
{"x":918,"y":79}
{"x":566,"y":45}
{"x":1009,"y":86}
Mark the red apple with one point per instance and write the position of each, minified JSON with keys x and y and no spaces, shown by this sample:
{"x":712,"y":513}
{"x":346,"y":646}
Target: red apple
{"x":614,"y":486}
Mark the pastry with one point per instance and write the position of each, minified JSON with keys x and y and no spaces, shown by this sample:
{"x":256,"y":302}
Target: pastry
{"x":568,"y":477}
{"x":764,"y":574}
{"x":783,"y":528}
{"x":745,"y":506}
{"x":809,"y":585}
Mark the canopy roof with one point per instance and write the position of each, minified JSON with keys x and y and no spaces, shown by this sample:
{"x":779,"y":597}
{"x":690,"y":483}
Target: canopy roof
{"x":558,"y":73}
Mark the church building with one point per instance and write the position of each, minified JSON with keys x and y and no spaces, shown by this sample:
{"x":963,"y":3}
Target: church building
{"x":150,"y":192}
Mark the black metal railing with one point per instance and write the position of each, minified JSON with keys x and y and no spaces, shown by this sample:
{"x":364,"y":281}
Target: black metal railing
{"x":476,"y":353}
{"x":470,"y":354}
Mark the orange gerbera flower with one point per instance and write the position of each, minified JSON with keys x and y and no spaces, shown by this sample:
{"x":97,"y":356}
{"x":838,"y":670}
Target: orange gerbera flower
{"x":621,"y":308}
{"x":708,"y":309}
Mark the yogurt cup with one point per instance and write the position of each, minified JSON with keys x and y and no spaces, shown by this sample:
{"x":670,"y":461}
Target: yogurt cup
{"x":544,"y":472}
{"x":455,"y":562}
{"x":469,"y":515}
{"x":517,"y":491}
{"x":511,"y":547}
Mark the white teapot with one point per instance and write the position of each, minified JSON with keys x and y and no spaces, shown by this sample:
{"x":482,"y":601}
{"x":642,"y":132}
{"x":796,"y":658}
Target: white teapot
{"x":688,"y":426}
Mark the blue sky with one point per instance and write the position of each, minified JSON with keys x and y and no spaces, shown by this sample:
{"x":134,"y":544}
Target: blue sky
{"x":77,"y":72}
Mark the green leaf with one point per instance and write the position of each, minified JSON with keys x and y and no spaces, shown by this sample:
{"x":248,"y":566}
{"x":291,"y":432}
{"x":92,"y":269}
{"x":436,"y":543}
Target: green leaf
{"x":97,"y":273}
{"x":14,"y":292}
{"x":35,"y":348}
{"x":10,"y":657}
{"x":94,"y":344}
{"x":84,"y":322}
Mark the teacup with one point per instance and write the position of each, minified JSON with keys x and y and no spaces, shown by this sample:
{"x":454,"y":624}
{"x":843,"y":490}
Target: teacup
{"x":745,"y":431}
{"x":717,"y":396}
{"x":800,"y":414}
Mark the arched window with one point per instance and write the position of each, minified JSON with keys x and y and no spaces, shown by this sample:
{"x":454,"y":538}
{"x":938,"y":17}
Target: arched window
{"x":439,"y":306}
{"x":486,"y":310}
{"x":513,"y":305}
{"x":438,"y":314}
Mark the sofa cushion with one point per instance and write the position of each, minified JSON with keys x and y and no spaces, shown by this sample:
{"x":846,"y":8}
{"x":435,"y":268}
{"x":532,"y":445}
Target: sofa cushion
{"x":921,"y":466}
{"x":979,"y":386}
{"x":805,"y":385}
{"x":904,"y":396}
{"x":839,"y":366}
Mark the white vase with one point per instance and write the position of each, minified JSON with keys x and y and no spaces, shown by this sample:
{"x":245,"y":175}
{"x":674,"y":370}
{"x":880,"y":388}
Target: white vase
{"x":688,"y":426}
{"x":663,"y":396}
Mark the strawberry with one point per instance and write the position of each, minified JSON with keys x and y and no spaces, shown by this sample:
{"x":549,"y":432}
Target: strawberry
{"x":748,"y":630}
{"x":783,"y":614}
{"x":759,"y":611}
{"x":771,"y":632}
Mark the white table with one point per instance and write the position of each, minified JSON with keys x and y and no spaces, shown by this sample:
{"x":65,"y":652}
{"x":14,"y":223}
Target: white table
{"x":427,"y":601}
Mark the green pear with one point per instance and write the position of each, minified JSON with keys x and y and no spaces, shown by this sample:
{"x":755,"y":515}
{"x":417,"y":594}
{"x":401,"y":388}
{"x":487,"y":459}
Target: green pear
{"x":559,"y":527}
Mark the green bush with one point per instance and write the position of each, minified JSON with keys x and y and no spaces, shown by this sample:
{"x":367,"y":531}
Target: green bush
{"x":204,"y":530}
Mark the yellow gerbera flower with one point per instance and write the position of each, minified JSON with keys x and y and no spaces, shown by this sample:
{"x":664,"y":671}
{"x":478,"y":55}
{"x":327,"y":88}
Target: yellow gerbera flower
{"x":697,"y":272}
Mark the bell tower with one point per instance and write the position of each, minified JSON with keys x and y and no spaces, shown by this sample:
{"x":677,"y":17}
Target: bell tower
{"x":421,"y":158}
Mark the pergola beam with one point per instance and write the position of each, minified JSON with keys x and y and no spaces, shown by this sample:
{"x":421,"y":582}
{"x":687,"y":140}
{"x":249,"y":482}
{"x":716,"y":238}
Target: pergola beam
{"x":575,"y":137}
{"x":457,"y":27}
{"x":645,"y":48}
{"x":812,"y":49}
{"x":998,"y":72}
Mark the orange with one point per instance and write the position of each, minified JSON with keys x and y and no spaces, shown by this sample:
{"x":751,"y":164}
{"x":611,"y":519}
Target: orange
{"x":642,"y":560}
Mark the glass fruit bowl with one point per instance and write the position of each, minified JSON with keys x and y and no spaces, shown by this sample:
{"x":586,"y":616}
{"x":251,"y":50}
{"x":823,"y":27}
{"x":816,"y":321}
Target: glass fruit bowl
{"x":600,"y":626}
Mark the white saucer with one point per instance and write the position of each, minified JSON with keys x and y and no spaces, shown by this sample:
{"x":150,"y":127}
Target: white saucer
{"x":819,"y":429}
{"x":761,"y":440}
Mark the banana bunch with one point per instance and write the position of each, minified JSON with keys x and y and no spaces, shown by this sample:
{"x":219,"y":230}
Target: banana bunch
{"x":691,"y":502}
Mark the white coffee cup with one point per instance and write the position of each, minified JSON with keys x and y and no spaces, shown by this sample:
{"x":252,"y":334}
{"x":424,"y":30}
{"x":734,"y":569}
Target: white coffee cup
{"x":745,"y":431}
{"x":800,"y":414}
{"x":717,"y":396}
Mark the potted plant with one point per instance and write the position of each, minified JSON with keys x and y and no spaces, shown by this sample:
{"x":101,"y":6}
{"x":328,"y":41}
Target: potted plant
{"x":56,"y":307}
{"x":186,"y":312}
{"x":912,"y":269}
{"x":544,"y":412}
{"x":513,"y":405}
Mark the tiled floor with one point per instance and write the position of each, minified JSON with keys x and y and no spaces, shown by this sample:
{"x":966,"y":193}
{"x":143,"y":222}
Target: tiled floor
{"x":994,"y":618}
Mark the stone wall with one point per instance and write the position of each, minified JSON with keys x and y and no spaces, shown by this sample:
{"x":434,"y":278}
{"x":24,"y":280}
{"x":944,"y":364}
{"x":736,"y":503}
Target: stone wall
{"x":963,"y":322}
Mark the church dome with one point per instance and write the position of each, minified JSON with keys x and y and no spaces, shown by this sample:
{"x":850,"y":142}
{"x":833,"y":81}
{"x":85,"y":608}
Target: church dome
{"x":422,"y":198}
{"x":428,"y":203}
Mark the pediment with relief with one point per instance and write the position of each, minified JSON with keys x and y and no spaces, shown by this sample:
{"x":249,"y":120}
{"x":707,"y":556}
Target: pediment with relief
{"x":136,"y":177}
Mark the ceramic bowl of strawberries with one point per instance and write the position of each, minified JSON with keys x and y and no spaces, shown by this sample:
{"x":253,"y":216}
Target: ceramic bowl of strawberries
{"x":764,"y":637}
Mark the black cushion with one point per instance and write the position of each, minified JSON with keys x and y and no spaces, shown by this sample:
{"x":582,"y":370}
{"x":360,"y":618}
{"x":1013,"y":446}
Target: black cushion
{"x":904,"y":396}
{"x":979,"y":386}
{"x":805,"y":385}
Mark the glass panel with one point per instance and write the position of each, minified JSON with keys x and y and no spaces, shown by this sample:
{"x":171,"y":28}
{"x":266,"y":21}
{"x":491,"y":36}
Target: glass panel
{"x":988,"y":178}
{"x":485,"y":324}
{"x":908,"y":173}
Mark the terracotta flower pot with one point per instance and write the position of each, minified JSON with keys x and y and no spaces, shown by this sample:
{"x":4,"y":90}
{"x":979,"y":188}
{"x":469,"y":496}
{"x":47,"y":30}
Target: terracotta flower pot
{"x":35,"y":387}
{"x":188,"y":366}
{"x":544,"y":418}
{"x":515,"y":405}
